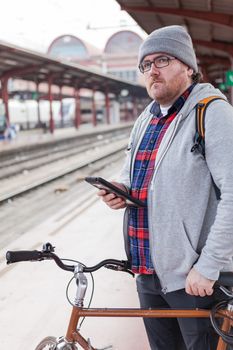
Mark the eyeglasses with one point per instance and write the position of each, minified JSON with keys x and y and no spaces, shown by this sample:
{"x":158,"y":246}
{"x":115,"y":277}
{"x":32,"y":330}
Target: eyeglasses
{"x":159,"y":62}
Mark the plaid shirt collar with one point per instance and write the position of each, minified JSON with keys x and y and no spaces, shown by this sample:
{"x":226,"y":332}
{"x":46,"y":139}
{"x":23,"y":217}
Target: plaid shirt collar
{"x":177,"y":105}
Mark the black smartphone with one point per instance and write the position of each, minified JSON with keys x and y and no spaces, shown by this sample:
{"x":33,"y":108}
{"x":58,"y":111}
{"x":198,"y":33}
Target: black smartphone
{"x":103,"y":184}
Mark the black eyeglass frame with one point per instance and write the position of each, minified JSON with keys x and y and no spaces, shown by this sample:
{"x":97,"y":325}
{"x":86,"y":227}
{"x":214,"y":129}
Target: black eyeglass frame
{"x":142,"y":70}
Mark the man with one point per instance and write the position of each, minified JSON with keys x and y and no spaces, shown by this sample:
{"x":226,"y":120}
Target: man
{"x":180,"y":242}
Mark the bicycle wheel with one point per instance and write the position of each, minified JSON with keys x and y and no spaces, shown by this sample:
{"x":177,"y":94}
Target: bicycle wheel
{"x":48,"y":343}
{"x":221,"y":318}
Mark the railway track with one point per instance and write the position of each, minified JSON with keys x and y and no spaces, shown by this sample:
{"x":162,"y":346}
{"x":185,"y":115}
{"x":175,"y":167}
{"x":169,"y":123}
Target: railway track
{"x":27,"y":158}
{"x":64,"y":197}
{"x":15,"y":187}
{"x":31,"y":198}
{"x":57,"y":187}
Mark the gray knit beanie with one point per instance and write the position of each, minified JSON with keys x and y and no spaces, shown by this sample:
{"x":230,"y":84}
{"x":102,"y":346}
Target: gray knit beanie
{"x":173,"y":40}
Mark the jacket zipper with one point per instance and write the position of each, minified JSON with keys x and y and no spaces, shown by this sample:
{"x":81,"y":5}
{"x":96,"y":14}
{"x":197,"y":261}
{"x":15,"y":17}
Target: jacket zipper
{"x":151,"y":189}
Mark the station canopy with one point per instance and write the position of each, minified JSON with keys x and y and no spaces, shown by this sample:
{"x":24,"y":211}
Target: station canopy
{"x":19,"y":63}
{"x":209,"y":22}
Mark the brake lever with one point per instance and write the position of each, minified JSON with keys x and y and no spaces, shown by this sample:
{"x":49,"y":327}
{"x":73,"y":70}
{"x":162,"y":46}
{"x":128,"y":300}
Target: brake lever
{"x":226,"y":291}
{"x":119,"y":268}
{"x":130,"y":272}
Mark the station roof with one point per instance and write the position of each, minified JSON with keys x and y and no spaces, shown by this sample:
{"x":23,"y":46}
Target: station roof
{"x":209,"y":22}
{"x":19,"y":63}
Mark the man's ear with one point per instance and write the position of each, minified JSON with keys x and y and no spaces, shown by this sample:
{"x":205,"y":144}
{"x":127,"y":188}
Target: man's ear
{"x":190,"y":71}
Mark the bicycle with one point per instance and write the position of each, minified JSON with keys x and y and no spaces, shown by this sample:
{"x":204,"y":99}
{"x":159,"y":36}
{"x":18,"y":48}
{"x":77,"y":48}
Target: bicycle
{"x":222,"y":311}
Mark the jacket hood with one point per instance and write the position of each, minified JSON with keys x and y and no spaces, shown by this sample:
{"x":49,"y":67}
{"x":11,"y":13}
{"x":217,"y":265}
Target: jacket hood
{"x":199,"y":92}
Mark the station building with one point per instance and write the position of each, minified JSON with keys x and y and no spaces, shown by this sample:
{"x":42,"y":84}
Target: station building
{"x":118,"y":58}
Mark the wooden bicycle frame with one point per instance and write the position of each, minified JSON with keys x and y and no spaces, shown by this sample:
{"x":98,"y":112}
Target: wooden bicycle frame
{"x":77,"y":312}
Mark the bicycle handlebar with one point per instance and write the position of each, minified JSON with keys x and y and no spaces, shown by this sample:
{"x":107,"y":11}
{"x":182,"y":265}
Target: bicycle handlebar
{"x":225,"y":278}
{"x":47,"y":254}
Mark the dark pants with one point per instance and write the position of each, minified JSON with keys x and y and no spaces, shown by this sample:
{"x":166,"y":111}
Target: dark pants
{"x":175,"y":334}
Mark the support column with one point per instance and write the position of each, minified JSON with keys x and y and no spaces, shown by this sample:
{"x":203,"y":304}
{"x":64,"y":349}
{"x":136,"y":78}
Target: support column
{"x":94,"y":119}
{"x":61,"y":106}
{"x":77,"y":116}
{"x":135,"y":109}
{"x":51,"y":120}
{"x":126,"y":112}
{"x":107,"y":105}
{"x":38,"y":105}
{"x":5,"y":98}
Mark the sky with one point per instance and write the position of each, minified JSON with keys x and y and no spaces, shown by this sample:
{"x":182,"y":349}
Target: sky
{"x":34,"y":24}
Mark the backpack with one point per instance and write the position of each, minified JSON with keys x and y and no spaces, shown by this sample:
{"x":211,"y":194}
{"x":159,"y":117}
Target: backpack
{"x":199,"y":139}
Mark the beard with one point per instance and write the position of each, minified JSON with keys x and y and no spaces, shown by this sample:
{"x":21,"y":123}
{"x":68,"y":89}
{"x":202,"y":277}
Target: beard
{"x":158,"y":90}
{"x":165,"y":92}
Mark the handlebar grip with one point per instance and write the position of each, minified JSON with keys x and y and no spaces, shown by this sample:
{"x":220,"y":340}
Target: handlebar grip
{"x":225,"y":279}
{"x":23,"y":255}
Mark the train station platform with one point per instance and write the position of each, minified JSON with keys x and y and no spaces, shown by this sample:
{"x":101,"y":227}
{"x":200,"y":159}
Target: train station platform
{"x":38,"y":136}
{"x":90,"y":233}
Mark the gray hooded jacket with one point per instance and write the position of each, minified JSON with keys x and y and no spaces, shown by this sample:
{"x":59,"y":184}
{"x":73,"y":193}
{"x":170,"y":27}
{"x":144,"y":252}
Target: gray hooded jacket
{"x":189,"y":227}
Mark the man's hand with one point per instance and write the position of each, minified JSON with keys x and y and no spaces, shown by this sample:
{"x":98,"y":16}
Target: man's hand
{"x":197,"y":284}
{"x":111,"y":199}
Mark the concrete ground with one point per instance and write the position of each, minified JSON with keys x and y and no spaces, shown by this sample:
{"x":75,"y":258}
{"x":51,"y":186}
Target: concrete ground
{"x":32,"y":295}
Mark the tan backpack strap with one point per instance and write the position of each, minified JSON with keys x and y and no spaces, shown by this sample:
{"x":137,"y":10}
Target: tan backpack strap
{"x":200,"y":113}
{"x":199,"y":140}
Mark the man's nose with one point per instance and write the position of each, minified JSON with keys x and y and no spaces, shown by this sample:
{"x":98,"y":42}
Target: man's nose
{"x":154,"y":69}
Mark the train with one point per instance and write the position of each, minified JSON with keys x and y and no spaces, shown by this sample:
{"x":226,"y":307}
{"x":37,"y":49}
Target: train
{"x":24,"y":113}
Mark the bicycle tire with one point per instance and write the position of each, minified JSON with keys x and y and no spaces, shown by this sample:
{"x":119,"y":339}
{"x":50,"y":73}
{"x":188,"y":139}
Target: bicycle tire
{"x":48,"y":343}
